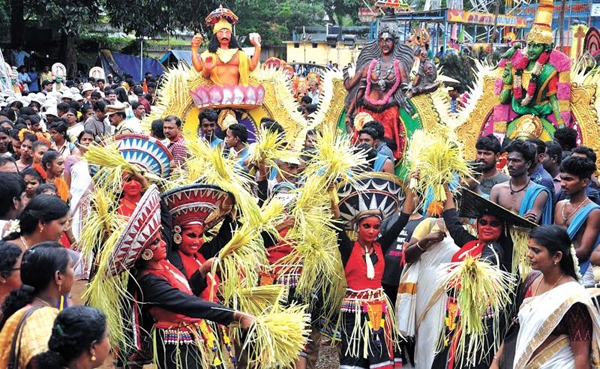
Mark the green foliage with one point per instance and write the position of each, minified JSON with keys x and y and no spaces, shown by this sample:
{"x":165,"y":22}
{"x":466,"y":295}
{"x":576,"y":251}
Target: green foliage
{"x":274,"y":20}
{"x":153,"y":17}
{"x":72,"y":15}
{"x":91,"y":42}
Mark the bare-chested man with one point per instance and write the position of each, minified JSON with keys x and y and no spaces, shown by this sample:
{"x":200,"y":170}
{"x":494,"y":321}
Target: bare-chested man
{"x":578,"y":214}
{"x":224,"y":62}
{"x":521,"y":195}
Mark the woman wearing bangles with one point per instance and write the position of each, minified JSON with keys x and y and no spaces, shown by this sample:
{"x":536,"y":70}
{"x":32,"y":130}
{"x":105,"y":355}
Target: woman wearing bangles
{"x":492,"y":245}
{"x":558,"y":325}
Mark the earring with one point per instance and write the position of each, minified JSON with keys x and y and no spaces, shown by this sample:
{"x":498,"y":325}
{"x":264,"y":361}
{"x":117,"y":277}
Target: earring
{"x":555,"y":263}
{"x":60,"y":288}
{"x":41,"y":229}
{"x":93,"y":358}
{"x":147,"y":254}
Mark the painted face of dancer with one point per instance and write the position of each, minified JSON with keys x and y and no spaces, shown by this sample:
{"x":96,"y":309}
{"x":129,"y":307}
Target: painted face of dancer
{"x":192,"y":240}
{"x":368,"y":229}
{"x":131,"y":187}
{"x":386,"y":43}
{"x":489,"y":228}
{"x":158,"y":248}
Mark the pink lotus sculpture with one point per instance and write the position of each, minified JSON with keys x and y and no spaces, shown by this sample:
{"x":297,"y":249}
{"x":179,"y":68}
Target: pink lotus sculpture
{"x":215,"y":96}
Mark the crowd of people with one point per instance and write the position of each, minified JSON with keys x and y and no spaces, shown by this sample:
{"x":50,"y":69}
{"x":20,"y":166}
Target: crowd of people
{"x":169,"y":246}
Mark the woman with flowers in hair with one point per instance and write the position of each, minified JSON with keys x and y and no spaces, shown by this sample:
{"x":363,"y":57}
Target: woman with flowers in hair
{"x":559,"y":326}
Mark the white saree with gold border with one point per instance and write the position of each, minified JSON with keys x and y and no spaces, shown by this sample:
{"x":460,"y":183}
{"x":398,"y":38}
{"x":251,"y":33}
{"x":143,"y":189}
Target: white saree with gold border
{"x":539,"y":316}
{"x":421,"y":303}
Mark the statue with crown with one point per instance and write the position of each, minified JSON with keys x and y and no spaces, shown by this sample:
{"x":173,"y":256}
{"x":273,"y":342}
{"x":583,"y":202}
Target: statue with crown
{"x":534,"y":90}
{"x":241,"y":89}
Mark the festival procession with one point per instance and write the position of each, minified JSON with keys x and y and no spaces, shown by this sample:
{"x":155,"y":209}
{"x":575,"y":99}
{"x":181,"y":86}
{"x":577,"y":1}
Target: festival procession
{"x":382,"y":209}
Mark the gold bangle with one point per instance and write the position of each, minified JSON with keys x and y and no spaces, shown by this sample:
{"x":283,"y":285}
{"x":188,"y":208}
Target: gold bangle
{"x":419,"y":247}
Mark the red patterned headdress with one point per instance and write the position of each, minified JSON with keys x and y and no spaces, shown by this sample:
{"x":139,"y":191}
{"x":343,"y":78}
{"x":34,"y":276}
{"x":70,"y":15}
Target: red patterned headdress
{"x":142,"y":228}
{"x":221,"y":18}
{"x":199,"y":203}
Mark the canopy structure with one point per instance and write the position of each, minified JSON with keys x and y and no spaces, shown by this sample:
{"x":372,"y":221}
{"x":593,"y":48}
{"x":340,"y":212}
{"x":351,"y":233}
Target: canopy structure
{"x":120,"y":64}
{"x":177,"y":56}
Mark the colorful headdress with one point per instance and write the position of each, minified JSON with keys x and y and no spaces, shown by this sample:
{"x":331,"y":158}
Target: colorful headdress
{"x":145,"y":152}
{"x":374,"y":193}
{"x":201,"y":203}
{"x":142,"y":227}
{"x":541,"y":32}
{"x":221,"y":18}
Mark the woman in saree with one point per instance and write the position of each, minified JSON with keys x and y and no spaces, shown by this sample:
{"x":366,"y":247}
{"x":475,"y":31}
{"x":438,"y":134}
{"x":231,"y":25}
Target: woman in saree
{"x":30,"y":310}
{"x":559,"y":327}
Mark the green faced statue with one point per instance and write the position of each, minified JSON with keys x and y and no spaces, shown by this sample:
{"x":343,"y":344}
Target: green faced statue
{"x":534,"y":50}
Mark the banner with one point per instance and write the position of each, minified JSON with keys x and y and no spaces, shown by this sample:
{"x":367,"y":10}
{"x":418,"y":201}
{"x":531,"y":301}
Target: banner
{"x":487,"y":19}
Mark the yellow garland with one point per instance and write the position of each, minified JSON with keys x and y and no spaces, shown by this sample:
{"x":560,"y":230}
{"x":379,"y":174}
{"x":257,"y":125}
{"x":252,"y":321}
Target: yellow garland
{"x":439,"y":159}
{"x":481,"y":290}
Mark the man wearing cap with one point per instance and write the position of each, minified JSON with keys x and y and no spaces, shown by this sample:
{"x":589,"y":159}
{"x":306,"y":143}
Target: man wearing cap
{"x":118,"y":119}
{"x":139,"y":92}
{"x":224,"y":62}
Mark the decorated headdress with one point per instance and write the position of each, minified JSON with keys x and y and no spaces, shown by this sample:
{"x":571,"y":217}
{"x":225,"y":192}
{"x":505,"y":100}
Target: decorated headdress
{"x":221,"y":18}
{"x":142,"y":228}
{"x":145,"y":152}
{"x":197,"y":203}
{"x":541,"y":32}
{"x":474,"y":206}
{"x":375,"y":194}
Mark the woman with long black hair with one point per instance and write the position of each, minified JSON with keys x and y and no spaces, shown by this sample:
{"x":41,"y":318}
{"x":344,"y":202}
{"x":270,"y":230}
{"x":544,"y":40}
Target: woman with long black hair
{"x":559,"y":327}
{"x":79,"y":340}
{"x":29,"y":311}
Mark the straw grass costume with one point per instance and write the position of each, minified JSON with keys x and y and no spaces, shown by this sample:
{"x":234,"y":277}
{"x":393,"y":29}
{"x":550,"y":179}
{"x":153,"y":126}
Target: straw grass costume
{"x":368,"y":329}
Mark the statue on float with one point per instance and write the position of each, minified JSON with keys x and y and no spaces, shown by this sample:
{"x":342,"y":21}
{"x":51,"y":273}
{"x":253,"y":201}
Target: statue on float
{"x":226,"y":65}
{"x":376,"y":87}
{"x":531,"y":93}
{"x":383,"y":83}
{"x":233,"y":83}
{"x":535,"y":86}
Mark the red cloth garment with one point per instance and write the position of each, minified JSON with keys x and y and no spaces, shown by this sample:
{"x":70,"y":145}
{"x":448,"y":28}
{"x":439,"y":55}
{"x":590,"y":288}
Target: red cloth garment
{"x":473,"y":248}
{"x":191,"y":265}
{"x":356,"y":268}
{"x":394,"y":129}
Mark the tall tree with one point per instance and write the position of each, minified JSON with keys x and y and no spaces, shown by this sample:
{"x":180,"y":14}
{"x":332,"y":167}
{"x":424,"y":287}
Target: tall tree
{"x":72,"y":17}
